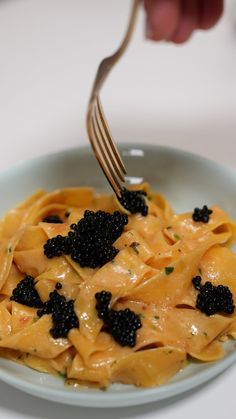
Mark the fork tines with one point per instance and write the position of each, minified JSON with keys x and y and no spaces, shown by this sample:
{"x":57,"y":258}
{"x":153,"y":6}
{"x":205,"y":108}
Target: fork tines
{"x":105,"y":148}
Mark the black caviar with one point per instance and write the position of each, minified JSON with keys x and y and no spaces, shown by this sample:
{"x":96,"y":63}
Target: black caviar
{"x":90,"y":240}
{"x":103,"y":299}
{"x":26,"y":294}
{"x":63,"y":316}
{"x":202,"y":214}
{"x":134,"y":201}
{"x":213,"y":299}
{"x":53,"y":218}
{"x":122,"y":325}
{"x":57,"y":246}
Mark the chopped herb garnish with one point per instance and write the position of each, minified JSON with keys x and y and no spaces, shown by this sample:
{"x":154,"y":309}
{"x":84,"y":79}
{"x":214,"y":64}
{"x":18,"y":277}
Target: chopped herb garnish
{"x":205,"y":333}
{"x":135,"y":246}
{"x":169,"y":270}
{"x":177,"y":237}
{"x":62,"y":375}
{"x":168,"y":227}
{"x":156,"y":317}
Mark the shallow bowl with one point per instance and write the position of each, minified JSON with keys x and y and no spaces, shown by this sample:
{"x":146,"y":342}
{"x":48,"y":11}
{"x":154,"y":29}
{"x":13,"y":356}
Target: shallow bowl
{"x":187,"y":180}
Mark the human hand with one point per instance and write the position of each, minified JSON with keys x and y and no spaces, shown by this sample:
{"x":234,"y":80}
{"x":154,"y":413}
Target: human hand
{"x":176,"y":20}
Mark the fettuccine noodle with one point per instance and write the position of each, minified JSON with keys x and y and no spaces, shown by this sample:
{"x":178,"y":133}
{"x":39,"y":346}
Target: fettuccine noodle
{"x":159,"y":255}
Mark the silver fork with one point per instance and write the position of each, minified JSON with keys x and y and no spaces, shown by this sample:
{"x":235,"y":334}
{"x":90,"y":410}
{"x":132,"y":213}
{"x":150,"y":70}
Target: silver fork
{"x":99,"y":133}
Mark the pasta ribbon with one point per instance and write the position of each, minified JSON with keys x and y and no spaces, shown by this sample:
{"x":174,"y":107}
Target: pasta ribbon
{"x":147,"y":280}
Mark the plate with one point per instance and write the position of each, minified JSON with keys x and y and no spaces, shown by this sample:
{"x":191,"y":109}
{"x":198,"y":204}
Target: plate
{"x":187,"y":180}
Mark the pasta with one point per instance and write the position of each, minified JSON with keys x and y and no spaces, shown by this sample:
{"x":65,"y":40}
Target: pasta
{"x":150,"y":277}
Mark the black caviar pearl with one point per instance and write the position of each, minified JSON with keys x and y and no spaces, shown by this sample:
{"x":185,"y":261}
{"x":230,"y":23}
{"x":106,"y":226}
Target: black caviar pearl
{"x":26,"y":294}
{"x":213,"y":299}
{"x":55,"y":246}
{"x":89,"y":242}
{"x":63,"y":316}
{"x":53,"y":218}
{"x":202,"y":215}
{"x":197,"y":282}
{"x":122,"y":325}
{"x":103,"y":299}
{"x":134,"y":201}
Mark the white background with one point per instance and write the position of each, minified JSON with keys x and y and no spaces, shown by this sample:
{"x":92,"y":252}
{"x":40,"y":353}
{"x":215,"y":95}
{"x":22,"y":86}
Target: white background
{"x":184,"y":96}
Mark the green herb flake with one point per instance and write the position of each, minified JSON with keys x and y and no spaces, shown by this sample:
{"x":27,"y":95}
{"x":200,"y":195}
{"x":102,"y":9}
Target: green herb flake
{"x":141,"y":316}
{"x":129,"y":271}
{"x":8,"y":250}
{"x":200,"y":271}
{"x":35,"y":319}
{"x":205,"y":333}
{"x":177,"y":237}
{"x":156,"y":317}
{"x":169,"y":270}
{"x":62,"y":375}
{"x":135,"y":246}
{"x":170,"y":351}
{"x":168,"y":227}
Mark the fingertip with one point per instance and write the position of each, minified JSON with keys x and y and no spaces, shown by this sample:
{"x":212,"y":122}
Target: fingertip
{"x":183,"y":35}
{"x":188,"y":23}
{"x":210,"y":13}
{"x":162,"y":18}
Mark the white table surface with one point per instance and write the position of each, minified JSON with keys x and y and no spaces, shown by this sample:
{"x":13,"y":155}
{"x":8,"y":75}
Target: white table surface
{"x":183,"y":96}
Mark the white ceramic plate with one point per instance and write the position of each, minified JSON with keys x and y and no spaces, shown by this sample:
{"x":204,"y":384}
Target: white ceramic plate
{"x":187,"y":181}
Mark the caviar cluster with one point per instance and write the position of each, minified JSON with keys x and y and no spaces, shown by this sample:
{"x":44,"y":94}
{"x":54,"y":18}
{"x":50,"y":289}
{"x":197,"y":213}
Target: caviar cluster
{"x":63,"y":316}
{"x":53,"y":218}
{"x":90,"y":241}
{"x":26,"y":294}
{"x":213,"y":299}
{"x":134,"y":201}
{"x":122,"y":325}
{"x":202,"y":214}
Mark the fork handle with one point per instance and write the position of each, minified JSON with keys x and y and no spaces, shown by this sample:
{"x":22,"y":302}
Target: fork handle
{"x":107,"y":64}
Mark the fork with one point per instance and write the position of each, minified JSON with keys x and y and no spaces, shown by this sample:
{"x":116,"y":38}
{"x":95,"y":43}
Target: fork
{"x":98,"y":130}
